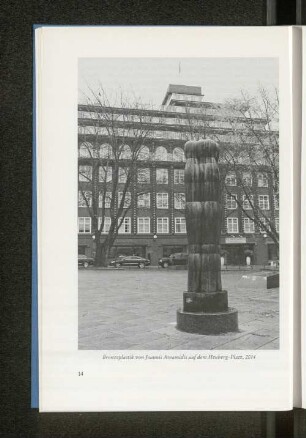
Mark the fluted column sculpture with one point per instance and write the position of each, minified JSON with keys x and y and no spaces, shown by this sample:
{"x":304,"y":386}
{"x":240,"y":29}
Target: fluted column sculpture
{"x":205,"y":304}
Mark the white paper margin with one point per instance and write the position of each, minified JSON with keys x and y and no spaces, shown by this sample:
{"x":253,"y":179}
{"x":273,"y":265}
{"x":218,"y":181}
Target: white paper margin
{"x":264,"y":384}
{"x":303,"y":221}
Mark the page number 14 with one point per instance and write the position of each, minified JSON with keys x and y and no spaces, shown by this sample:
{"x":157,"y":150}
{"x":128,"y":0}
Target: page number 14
{"x":81,"y":373}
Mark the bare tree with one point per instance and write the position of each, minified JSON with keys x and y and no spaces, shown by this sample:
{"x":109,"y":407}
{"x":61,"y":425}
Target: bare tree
{"x":113,"y":165}
{"x":252,"y":156}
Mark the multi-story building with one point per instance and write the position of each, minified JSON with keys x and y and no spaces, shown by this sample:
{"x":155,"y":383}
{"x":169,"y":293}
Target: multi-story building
{"x":154,"y":222}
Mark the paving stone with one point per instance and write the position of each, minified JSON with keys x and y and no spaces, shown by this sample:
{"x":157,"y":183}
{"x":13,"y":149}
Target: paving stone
{"x":252,"y":341}
{"x":272,"y":345}
{"x":136,"y":309}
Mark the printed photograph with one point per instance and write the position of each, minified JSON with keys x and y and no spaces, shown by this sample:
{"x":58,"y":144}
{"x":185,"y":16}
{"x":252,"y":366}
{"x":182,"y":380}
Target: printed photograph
{"x":178,"y":203}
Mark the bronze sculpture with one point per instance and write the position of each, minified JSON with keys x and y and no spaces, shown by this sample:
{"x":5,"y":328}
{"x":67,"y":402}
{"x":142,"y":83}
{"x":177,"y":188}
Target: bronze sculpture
{"x":205,"y":308}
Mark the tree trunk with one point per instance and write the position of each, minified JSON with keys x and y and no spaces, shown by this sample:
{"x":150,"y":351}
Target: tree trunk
{"x":102,"y":253}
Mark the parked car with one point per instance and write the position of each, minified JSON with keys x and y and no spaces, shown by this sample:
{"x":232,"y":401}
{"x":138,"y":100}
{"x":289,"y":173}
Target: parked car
{"x":85,"y":261}
{"x":130,"y":261}
{"x":178,"y":258}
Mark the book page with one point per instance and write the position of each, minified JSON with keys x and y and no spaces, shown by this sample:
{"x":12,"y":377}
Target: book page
{"x":297,"y":134}
{"x":303,"y":234}
{"x":182,"y":297}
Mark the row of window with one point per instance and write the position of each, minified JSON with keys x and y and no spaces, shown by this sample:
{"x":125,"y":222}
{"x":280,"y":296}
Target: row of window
{"x":131,"y":133}
{"x":247,"y":202}
{"x":162,"y":201}
{"x":162,"y":176}
{"x":143,"y":200}
{"x":248,"y":225}
{"x":143,"y":225}
{"x":227,"y":136}
{"x":247,"y":180}
{"x":124,"y":152}
{"x":143,"y":175}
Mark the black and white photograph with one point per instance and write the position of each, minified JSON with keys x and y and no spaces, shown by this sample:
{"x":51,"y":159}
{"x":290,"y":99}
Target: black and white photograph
{"x":178,"y":203}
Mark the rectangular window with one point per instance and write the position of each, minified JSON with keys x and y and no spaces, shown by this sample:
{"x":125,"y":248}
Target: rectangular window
{"x":231,"y":203}
{"x":108,"y":199}
{"x":85,"y":225}
{"x":246,"y":202}
{"x":106,"y":225}
{"x":82,"y":200}
{"x":162,"y":225}
{"x":248,"y":225}
{"x":263,"y":225}
{"x":263,"y":202}
{"x":159,"y":134}
{"x":162,"y":176}
{"x":231,"y":180}
{"x":180,"y":225}
{"x":125,"y":227}
{"x":127,"y":199}
{"x":247,"y":179}
{"x":262,"y":180}
{"x":179,"y":176}
{"x":276,"y":202}
{"x":277,"y":224}
{"x":179,"y":201}
{"x":122,"y":175}
{"x":85,"y":173}
{"x":232,"y":225}
{"x":105,"y":174}
{"x":143,"y":200}
{"x":162,"y":200}
{"x":143,"y":175}
{"x":143,"y":225}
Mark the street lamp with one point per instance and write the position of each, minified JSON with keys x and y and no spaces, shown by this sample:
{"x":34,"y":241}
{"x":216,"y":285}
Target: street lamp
{"x":154,"y":237}
{"x":93,"y":252}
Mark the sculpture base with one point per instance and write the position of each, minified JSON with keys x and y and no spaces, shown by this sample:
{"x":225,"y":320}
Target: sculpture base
{"x":208,"y":323}
{"x":205,"y":302}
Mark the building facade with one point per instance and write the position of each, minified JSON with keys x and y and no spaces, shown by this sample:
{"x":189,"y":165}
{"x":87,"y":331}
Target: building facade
{"x":152,"y":189}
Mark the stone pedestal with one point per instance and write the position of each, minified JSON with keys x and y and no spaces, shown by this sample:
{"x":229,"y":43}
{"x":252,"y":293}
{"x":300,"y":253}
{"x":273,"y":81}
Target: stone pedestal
{"x":208,"y":323}
{"x":205,"y":304}
{"x":207,"y":313}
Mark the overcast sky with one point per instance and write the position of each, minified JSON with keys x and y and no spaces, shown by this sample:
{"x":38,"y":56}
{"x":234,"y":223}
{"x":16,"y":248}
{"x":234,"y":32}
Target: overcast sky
{"x":220,"y":78}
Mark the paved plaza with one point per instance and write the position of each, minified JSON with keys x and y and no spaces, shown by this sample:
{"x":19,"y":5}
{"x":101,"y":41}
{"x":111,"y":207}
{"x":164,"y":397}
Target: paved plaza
{"x":134,"y":309}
